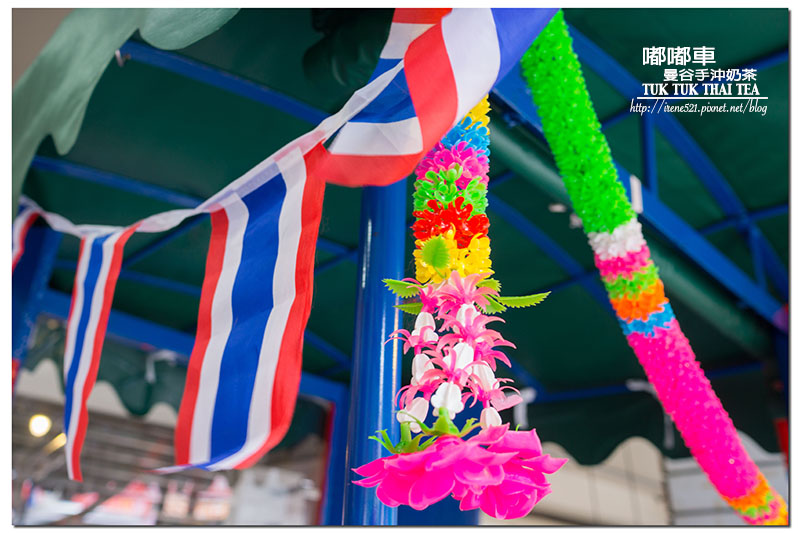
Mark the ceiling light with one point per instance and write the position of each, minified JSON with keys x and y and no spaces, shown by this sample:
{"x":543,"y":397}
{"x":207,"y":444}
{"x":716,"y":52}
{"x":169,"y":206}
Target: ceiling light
{"x":557,"y":208}
{"x":39,"y":425}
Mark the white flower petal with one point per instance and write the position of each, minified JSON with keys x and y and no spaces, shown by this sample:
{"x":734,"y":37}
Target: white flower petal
{"x":448,"y":396}
{"x":464,"y":354}
{"x":419,"y":365}
{"x":484,"y":376}
{"x":490,"y":417}
{"x":418,"y":408}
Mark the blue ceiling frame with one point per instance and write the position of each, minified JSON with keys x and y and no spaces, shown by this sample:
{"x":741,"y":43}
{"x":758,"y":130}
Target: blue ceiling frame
{"x":685,"y":145}
{"x":206,"y":74}
{"x":514,"y":94}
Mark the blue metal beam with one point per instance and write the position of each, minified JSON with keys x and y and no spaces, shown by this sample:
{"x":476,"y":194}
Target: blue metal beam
{"x":596,"y":392}
{"x":619,"y":78}
{"x":376,"y":374}
{"x":160,"y":242}
{"x":350,"y":255}
{"x":124,"y":183}
{"x":551,"y":248}
{"x":328,"y":349}
{"x":690,"y":242}
{"x":149,"y":335}
{"x":109,"y":179}
{"x":680,"y":139}
{"x":513,"y":92}
{"x":215,"y":77}
{"x":769,"y":61}
{"x":28,"y":285}
{"x":339,"y":357}
{"x":772,"y":263}
{"x":755,"y":216}
{"x":612,"y":119}
{"x":649,"y":153}
{"x":758,"y":258}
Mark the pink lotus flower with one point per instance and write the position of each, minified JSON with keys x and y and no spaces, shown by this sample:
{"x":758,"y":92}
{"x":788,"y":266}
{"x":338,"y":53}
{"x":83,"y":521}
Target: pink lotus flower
{"x":458,"y":291}
{"x":500,"y":471}
{"x":523,"y":485}
{"x":474,"y":163}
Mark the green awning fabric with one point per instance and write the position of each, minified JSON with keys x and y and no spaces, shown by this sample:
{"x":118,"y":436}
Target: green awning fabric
{"x":52,"y":95}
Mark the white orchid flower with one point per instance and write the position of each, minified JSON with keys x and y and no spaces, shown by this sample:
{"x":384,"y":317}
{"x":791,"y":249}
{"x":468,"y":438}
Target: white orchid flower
{"x":448,"y":396}
{"x":418,"y":408}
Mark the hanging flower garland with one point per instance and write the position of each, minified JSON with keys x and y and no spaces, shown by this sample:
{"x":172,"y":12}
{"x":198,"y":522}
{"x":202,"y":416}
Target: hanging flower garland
{"x":631,"y":279}
{"x":498,"y":470}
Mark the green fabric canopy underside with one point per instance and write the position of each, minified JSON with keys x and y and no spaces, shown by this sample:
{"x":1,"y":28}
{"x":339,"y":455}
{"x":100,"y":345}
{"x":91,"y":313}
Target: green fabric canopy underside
{"x":161,"y":128}
{"x":52,"y":95}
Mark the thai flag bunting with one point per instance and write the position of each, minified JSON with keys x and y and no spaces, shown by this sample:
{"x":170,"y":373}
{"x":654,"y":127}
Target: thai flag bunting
{"x":99,"y":263}
{"x":19,"y":232}
{"x":438,"y":68}
{"x":245,"y":367}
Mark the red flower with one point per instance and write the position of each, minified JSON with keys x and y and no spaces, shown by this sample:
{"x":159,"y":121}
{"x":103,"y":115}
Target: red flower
{"x":439,"y":219}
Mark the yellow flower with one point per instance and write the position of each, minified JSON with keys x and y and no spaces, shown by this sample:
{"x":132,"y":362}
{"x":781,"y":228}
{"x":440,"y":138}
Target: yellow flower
{"x":470,"y":260}
{"x":480,"y":113}
{"x":474,"y":258}
{"x":426,"y":272}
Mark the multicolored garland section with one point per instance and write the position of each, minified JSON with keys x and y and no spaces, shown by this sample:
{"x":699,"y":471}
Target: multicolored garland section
{"x":497,"y":470}
{"x":631,"y":279}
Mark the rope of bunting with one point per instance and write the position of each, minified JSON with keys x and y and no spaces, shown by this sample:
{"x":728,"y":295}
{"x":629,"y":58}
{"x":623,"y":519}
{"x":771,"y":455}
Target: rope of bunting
{"x":583,"y":157}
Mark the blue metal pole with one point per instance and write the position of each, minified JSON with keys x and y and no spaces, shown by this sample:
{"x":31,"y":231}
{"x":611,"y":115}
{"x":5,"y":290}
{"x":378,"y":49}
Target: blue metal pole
{"x":782,"y":351}
{"x":376,"y":374}
{"x":649,"y":153}
{"x":333,"y":507}
{"x":28,"y":286}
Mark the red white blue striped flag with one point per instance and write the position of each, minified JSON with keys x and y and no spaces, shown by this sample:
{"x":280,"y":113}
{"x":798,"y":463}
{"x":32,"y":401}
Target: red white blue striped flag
{"x":96,"y":276}
{"x":19,"y":232}
{"x":244,"y":370}
{"x":439,"y":63}
{"x":245,"y":367}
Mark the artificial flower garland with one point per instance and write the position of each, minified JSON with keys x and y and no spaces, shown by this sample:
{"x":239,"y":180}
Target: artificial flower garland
{"x":498,"y":470}
{"x":631,"y":279}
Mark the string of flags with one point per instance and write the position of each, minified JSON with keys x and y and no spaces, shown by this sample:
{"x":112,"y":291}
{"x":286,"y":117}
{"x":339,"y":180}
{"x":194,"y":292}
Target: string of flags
{"x":436,"y":65}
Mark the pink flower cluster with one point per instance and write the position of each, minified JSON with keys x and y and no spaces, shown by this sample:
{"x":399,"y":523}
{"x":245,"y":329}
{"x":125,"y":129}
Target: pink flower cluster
{"x":455,"y":363}
{"x":687,"y":396}
{"x":496,"y":470}
{"x":499,"y":471}
{"x":624,"y":265}
{"x":474,"y":163}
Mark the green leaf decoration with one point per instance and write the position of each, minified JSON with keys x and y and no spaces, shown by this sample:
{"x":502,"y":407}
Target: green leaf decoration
{"x":435,"y":253}
{"x":413,"y":308}
{"x":475,"y":194}
{"x":442,"y":187}
{"x":491,"y":283}
{"x":523,"y":301}
{"x":403,"y":289}
{"x":385,"y":441}
{"x":494,"y":306}
{"x":469,"y":426}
